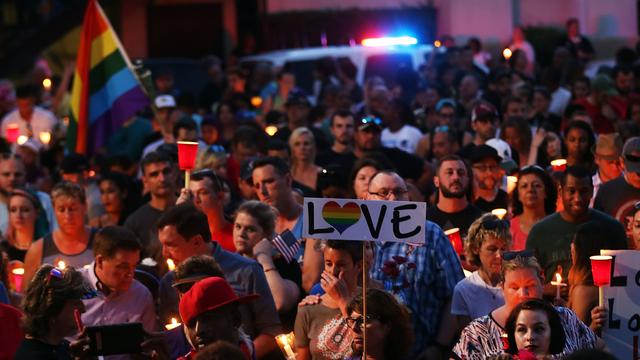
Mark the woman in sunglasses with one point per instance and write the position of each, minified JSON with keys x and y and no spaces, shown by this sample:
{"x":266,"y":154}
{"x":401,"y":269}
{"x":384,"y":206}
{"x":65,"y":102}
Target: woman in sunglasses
{"x":50,"y":304}
{"x":475,"y":296}
{"x":521,"y":281}
{"x":389,"y":332}
{"x":535,"y":197}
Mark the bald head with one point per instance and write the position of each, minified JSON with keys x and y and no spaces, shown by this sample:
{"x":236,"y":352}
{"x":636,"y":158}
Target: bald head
{"x":387,"y":185}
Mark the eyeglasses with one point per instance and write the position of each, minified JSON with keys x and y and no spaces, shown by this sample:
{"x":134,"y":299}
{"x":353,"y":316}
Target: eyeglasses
{"x":385,"y":193}
{"x":510,"y":255}
{"x":358,"y":322}
{"x":491,"y":224}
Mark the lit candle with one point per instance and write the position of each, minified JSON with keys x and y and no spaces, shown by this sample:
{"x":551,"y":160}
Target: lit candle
{"x":500,"y":213}
{"x":61,"y":265}
{"x":171,"y":265}
{"x":174,"y":324}
{"x":507,"y":53}
{"x":46,"y":83}
{"x":45,"y":137}
{"x":271,"y":130}
{"x":437,"y":43}
{"x":512,"y":182}
{"x":286,"y":342}
{"x":22,"y":139}
{"x":559,"y":165}
{"x":558,"y":284}
{"x":18,"y":273}
{"x":13,"y":131}
{"x":601,"y":270}
{"x":256,"y":101}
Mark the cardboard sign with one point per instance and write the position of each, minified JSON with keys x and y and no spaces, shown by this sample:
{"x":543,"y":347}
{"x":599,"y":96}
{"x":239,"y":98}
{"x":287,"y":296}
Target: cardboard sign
{"x":347,"y":219}
{"x":622,"y":299}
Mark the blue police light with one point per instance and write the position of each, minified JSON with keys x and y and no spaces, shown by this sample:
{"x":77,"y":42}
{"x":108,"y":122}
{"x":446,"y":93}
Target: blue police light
{"x":390,"y":41}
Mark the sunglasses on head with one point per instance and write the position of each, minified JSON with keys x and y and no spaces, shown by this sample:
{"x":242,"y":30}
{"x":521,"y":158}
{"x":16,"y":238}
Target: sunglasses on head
{"x":56,"y":275}
{"x":370,"y":120}
{"x":491,"y":224}
{"x":510,"y":255}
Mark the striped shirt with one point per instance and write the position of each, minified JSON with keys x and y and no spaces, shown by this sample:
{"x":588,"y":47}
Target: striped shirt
{"x":483,"y":337}
{"x":427,"y":288}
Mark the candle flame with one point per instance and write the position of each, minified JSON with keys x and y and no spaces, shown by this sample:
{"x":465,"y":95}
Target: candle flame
{"x":174,"y":324}
{"x":558,"y":278}
{"x":507,"y":53}
{"x":512,"y":182}
{"x":22,"y":139}
{"x":18,"y":271}
{"x":256,"y":101}
{"x":46,"y":83}
{"x":61,"y":265}
{"x":558,"y":162}
{"x":437,"y":43}
{"x":271,"y":130}
{"x":500,"y":213}
{"x":45,"y":137}
{"x":171,"y":264}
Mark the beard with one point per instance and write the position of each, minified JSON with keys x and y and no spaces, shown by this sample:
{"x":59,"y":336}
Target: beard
{"x":453,"y":194}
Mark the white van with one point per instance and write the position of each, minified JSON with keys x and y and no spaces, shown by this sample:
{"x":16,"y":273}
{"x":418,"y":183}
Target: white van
{"x":382,"y":61}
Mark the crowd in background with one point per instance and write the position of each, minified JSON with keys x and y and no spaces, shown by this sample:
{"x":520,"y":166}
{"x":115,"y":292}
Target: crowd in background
{"x":116,"y":236}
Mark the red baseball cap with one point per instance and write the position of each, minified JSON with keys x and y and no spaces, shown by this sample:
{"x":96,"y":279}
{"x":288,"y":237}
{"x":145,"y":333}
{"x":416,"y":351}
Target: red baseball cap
{"x":208,"y":294}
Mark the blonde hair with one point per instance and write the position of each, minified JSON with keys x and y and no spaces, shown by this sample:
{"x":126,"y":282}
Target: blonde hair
{"x":210,"y":159}
{"x":478,"y":234}
{"x":295,"y":134}
{"x":521,"y":262}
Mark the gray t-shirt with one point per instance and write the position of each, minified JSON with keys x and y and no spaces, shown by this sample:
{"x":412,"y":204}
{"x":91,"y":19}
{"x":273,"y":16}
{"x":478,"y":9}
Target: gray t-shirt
{"x":324,"y":332}
{"x":475,"y":298}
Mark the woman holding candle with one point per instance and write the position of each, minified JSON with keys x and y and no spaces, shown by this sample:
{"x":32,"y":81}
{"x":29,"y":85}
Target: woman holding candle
{"x":589,"y":238}
{"x":320,"y":330}
{"x":475,"y":296}
{"x":303,"y":156}
{"x":521,"y":280}
{"x":535,"y":197}
{"x":23,"y":212}
{"x":389,"y":332}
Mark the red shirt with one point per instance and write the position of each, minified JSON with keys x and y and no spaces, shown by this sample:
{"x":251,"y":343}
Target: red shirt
{"x":10,"y":332}
{"x":224,"y":237}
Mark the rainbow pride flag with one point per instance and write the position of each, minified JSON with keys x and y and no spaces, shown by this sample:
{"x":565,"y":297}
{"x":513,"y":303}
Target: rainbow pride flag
{"x":105,"y":92}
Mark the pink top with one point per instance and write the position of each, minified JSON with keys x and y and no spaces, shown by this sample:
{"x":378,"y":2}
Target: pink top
{"x":518,"y":237}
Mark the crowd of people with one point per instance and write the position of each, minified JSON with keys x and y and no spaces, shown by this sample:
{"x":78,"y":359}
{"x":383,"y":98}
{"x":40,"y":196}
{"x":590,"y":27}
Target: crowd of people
{"x":115,"y":238}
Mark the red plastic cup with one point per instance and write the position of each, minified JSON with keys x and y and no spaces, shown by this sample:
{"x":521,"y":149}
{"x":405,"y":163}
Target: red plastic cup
{"x":455,"y":239}
{"x":17,"y":274}
{"x":601,"y":269}
{"x":559,"y":165}
{"x":13,"y":131}
{"x":187,"y":151}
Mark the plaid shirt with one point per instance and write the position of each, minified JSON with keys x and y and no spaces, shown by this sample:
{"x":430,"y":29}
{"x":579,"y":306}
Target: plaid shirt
{"x":427,"y":287}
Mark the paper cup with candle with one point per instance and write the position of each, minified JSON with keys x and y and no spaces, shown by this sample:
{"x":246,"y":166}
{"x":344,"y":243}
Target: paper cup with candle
{"x":17,"y":274}
{"x":559,"y":165}
{"x":13,"y":131}
{"x":512,"y":183}
{"x":601,"y":270}
{"x":187,"y":151}
{"x":286,"y":344}
{"x":173,"y":324}
{"x":455,"y":239}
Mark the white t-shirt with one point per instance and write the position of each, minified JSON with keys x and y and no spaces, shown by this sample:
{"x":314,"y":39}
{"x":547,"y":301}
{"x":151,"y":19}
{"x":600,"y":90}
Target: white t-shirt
{"x":41,"y":121}
{"x":475,"y":298}
{"x":405,"y":139}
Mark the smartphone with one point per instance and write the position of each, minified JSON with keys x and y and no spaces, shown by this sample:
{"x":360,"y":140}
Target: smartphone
{"x":115,"y":339}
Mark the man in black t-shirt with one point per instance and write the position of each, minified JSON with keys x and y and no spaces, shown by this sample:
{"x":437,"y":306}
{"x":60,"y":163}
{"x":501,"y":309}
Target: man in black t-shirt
{"x":453,"y":209}
{"x":487,"y":176}
{"x":341,"y":152}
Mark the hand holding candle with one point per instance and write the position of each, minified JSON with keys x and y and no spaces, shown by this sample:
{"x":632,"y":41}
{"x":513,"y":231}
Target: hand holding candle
{"x":286,"y":343}
{"x":601,"y":269}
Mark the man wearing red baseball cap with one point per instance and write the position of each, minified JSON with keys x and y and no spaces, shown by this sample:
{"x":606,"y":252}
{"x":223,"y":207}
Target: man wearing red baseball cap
{"x":209,"y":312}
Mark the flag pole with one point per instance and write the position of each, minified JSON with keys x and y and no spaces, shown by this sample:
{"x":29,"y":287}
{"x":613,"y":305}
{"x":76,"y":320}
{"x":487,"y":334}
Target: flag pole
{"x":364,"y":300}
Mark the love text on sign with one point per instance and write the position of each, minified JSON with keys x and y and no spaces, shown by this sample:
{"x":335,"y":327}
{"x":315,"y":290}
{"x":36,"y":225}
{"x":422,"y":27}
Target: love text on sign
{"x":622,"y":299}
{"x":347,"y":219}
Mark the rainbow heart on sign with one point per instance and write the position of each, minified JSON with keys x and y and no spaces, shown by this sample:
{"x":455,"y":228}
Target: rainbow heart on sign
{"x":341,"y":217}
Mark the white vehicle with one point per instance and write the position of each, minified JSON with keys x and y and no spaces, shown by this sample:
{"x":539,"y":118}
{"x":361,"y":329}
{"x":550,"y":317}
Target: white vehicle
{"x":380,"y":57}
